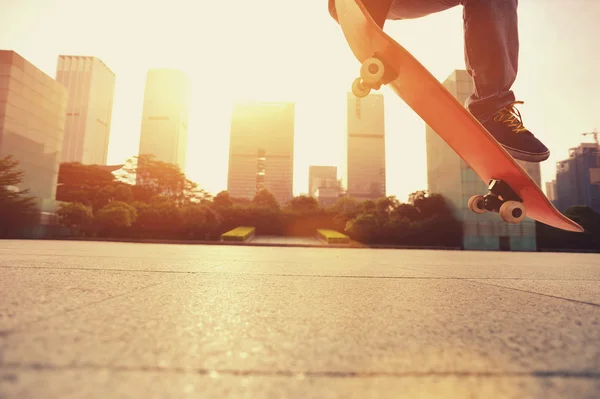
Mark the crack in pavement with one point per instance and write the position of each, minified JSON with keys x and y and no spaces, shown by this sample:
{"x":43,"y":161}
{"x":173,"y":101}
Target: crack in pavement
{"x":538,"y":293}
{"x":476,"y":281}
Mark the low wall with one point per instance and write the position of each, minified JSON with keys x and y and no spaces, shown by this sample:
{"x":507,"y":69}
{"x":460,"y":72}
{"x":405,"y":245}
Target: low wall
{"x":332,"y":237}
{"x":239,"y":234}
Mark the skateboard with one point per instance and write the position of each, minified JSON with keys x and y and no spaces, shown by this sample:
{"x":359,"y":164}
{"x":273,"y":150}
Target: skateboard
{"x":512,"y":193}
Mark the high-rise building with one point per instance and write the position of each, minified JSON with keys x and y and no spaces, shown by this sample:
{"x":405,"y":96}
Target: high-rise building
{"x":91,"y":87}
{"x":165,"y":116}
{"x":261,"y":150}
{"x":365,"y":174}
{"x":321,"y":177}
{"x":450,"y":176}
{"x":578,"y":178}
{"x":32,"y":123}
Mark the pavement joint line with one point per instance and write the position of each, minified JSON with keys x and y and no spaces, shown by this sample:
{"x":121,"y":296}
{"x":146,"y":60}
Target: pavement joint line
{"x":15,"y":329}
{"x":206,"y":270}
{"x":303,"y":374}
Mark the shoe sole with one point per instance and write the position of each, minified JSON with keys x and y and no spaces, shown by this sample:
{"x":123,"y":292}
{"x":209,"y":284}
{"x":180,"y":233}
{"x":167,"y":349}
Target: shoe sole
{"x":527,"y":156}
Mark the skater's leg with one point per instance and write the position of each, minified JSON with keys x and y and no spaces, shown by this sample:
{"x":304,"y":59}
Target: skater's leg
{"x":491,"y":54}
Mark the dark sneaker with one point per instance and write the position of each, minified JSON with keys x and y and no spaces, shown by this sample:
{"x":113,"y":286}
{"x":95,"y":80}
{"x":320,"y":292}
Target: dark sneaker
{"x":507,"y":127}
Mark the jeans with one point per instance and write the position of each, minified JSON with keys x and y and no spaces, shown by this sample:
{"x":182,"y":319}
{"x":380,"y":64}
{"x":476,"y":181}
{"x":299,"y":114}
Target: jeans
{"x":491,"y":47}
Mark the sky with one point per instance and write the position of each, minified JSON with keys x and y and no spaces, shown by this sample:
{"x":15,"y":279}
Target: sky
{"x":284,"y":50}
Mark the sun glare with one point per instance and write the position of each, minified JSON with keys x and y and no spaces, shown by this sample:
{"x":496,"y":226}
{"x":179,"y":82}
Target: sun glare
{"x":279,"y":50}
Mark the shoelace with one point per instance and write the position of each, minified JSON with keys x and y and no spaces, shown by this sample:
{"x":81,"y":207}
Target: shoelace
{"x":512,"y":117}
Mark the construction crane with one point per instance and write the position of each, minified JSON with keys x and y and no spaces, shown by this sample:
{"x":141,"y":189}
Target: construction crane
{"x":594,"y":133}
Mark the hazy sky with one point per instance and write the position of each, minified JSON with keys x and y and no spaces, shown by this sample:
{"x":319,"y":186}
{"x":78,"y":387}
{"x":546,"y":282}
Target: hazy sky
{"x":284,"y":50}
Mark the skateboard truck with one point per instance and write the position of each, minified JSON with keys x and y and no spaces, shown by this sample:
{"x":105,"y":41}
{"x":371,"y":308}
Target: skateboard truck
{"x":373,"y":74}
{"x":501,"y":199}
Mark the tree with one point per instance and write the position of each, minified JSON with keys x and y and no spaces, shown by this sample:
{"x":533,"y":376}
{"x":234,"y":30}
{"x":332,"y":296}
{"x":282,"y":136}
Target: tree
{"x":386,"y":205}
{"x":223,"y":200}
{"x":74,"y":215}
{"x":364,"y":228}
{"x":265,"y":199}
{"x":200,"y":221}
{"x":434,"y":204}
{"x":17,"y":209}
{"x":115,"y":216}
{"x":90,"y":185}
{"x":345,"y":204}
{"x":368,"y":206}
{"x":406,"y":211}
{"x":157,"y":179}
{"x":586,"y":217}
{"x":415,"y":197}
{"x":303,"y":203}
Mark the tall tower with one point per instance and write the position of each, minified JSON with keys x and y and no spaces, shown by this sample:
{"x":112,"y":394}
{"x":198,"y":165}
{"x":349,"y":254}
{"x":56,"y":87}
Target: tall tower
{"x":449,"y":175}
{"x":165,"y":116}
{"x":32,"y":123}
{"x":91,"y":87}
{"x":261,"y":150}
{"x":366,"y":147}
{"x":578,"y":178}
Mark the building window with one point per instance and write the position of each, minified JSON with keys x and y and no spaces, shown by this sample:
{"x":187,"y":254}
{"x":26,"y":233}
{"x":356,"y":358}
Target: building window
{"x":261,"y":169}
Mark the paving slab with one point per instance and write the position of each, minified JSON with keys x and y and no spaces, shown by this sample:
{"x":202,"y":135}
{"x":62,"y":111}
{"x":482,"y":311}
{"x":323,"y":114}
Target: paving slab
{"x":29,"y":295}
{"x":206,"y":321}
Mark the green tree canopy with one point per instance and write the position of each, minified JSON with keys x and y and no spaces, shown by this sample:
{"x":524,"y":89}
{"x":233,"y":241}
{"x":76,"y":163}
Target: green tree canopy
{"x":17,"y":209}
{"x":91,"y":185}
{"x":265,"y":199}
{"x":157,"y":179}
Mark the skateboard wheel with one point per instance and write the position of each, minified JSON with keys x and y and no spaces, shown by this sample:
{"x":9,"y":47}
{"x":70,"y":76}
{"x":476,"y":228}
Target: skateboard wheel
{"x":359,"y":89}
{"x":512,"y":212}
{"x":477,"y":204}
{"x":371,"y":71}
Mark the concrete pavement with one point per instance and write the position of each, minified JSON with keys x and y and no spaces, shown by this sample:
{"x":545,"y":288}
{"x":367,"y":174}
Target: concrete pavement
{"x":104,"y":320}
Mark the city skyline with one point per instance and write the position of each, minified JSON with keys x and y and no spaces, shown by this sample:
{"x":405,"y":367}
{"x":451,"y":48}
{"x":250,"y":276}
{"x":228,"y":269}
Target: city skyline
{"x":554,"y":52}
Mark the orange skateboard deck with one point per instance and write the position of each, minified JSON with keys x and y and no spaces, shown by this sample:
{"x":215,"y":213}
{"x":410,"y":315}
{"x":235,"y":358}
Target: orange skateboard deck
{"x":512,"y":192}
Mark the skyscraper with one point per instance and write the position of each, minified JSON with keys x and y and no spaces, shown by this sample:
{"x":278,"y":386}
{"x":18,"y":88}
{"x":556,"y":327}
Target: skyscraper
{"x":365,"y":174}
{"x":32,"y":123}
{"x":91,"y":86}
{"x":321,"y":176}
{"x":578,"y":178}
{"x":451,"y":176}
{"x":261,"y":150}
{"x":165,"y":116}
